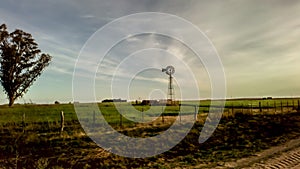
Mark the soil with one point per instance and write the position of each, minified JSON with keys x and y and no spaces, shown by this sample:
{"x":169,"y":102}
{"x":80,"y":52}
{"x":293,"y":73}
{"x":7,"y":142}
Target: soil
{"x":242,"y":136}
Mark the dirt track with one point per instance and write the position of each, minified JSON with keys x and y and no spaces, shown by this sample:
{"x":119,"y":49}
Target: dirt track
{"x":285,"y":156}
{"x":290,"y":159}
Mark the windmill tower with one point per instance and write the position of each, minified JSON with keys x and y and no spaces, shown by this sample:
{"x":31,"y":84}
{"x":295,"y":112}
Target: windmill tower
{"x":170,"y":70}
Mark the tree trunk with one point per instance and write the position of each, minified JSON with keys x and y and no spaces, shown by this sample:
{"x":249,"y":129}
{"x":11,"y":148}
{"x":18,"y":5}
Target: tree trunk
{"x":11,"y":101}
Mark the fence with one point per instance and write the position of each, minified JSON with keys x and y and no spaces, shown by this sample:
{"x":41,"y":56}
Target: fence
{"x":256,"y":107}
{"x":264,"y":107}
{"x":182,"y":111}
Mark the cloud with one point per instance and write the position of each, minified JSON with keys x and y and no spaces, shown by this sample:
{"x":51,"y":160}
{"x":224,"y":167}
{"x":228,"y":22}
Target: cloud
{"x":258,"y":41}
{"x":87,"y":16}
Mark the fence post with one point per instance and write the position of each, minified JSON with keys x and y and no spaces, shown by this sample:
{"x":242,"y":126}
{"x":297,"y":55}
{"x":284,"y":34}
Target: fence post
{"x":142,"y":114}
{"x":242,"y":108}
{"x":94,"y":119}
{"x":162,"y":115}
{"x":62,"y":121}
{"x":180,"y":116}
{"x":293,"y":105}
{"x":121,"y":120}
{"x":23,"y":122}
{"x":196,"y":113}
{"x":232,"y":110}
{"x":260,"y":110}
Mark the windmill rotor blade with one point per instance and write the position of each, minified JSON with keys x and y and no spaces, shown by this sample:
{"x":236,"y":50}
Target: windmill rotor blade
{"x":169,"y":70}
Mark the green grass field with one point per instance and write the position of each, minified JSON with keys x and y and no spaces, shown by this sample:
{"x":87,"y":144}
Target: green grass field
{"x":51,"y":113}
{"x":36,"y":113}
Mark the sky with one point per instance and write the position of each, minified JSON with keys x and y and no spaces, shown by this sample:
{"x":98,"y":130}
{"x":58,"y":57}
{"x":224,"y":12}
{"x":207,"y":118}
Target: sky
{"x":257,"y":42}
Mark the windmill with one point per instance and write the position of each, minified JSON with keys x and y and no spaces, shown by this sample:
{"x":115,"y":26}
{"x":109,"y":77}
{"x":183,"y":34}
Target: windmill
{"x":170,"y":70}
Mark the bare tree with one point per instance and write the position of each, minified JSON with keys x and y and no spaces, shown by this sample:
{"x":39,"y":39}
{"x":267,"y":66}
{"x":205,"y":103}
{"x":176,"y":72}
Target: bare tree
{"x":21,"y":62}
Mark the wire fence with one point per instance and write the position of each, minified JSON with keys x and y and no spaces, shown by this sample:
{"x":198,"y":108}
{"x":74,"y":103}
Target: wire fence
{"x":181,"y":112}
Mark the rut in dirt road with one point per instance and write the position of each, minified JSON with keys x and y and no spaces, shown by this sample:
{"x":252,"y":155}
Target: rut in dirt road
{"x":286,"y":160}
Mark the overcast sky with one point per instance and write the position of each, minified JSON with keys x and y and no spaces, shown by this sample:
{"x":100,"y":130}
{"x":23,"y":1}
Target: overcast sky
{"x":258,"y":42}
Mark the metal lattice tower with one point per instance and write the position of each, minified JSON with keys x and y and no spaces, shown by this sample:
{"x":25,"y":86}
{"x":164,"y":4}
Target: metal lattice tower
{"x":170,"y":70}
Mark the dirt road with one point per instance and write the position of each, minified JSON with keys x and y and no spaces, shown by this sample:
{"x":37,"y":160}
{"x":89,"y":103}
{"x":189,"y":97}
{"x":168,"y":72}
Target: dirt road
{"x":288,"y":160}
{"x":285,"y":156}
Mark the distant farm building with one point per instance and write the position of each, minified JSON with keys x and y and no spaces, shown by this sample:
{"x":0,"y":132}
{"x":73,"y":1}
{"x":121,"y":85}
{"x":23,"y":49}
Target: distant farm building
{"x":113,"y":100}
{"x":267,"y":98}
{"x":150,"y":102}
{"x":160,"y":102}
